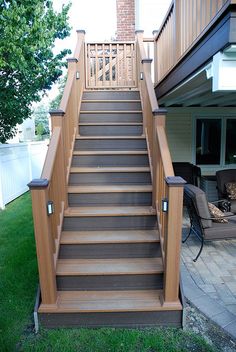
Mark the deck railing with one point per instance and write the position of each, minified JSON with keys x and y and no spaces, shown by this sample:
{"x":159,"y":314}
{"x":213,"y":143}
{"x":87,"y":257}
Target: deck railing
{"x":49,"y":193}
{"x":186,"y":21}
{"x":110,"y":65}
{"x":167,"y":189}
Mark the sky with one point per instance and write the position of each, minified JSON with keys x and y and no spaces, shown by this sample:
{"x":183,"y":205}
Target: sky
{"x":98,"y":19}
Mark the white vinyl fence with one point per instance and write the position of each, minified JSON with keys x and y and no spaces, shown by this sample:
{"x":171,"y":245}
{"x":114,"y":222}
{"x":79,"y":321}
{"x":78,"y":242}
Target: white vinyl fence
{"x":19,"y":164}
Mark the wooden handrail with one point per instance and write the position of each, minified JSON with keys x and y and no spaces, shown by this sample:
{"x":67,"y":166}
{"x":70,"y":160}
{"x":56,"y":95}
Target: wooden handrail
{"x":165,"y":185}
{"x":51,"y":188}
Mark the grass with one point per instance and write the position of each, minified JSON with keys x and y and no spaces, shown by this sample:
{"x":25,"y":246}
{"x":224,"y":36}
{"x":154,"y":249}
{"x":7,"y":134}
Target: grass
{"x":18,"y":282}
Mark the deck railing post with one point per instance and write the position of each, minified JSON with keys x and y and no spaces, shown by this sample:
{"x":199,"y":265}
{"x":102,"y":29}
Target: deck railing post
{"x":44,"y":241}
{"x":173,"y":240}
{"x":155,"y":56}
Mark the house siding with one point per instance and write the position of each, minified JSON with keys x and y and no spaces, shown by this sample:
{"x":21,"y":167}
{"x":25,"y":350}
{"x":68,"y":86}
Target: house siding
{"x":179,"y":135}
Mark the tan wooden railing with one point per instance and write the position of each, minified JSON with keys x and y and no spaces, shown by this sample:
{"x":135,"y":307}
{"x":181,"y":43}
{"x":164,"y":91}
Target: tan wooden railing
{"x":51,"y":187}
{"x":166,"y":187}
{"x":110,"y":65}
{"x":186,"y":21}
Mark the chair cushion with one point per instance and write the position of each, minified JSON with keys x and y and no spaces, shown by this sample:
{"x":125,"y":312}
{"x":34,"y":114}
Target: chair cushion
{"x":223,"y":177}
{"x":200,"y":201}
{"x":220,"y":231}
{"x":217,"y":214}
{"x":231,"y":190}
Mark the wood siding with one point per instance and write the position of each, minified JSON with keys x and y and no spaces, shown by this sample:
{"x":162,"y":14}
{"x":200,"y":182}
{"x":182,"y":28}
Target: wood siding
{"x":179,"y":135}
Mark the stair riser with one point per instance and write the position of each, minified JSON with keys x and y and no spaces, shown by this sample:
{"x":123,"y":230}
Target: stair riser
{"x":121,"y":198}
{"x":110,"y":144}
{"x":108,"y":117}
{"x":105,"y":95}
{"x":109,"y":160}
{"x":110,"y":178}
{"x":111,"y":130}
{"x":104,"y":319}
{"x":110,"y":106}
{"x":110,"y":251}
{"x":109,"y":223}
{"x":109,"y":282}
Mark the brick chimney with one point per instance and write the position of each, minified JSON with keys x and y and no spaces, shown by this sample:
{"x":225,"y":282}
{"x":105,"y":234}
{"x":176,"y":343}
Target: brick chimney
{"x":125,"y":12}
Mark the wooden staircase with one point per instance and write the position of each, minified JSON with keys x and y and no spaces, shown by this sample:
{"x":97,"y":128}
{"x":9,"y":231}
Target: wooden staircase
{"x":110,"y":268}
{"x":108,"y":255}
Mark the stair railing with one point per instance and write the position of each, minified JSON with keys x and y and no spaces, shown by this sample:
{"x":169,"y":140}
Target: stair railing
{"x":167,"y":189}
{"x":110,"y":65}
{"x":184,"y":24}
{"x":49,"y":193}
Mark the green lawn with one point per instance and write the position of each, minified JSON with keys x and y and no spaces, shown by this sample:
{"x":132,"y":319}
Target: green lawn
{"x":18,"y":283}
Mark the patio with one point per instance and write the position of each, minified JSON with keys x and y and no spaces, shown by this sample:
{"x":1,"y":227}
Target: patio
{"x":210,"y":283}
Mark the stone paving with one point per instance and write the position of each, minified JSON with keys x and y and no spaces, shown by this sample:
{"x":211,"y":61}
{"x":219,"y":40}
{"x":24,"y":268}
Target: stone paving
{"x":210,"y":283}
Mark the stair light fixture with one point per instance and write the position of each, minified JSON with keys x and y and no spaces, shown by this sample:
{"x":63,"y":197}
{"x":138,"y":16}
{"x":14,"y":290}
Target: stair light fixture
{"x":50,"y":207}
{"x":164,"y":205}
{"x":77,"y":75}
{"x":141,"y":76}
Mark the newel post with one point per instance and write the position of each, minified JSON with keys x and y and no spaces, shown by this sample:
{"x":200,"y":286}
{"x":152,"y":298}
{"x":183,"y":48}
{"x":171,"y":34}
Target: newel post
{"x":43,"y":239}
{"x":172,"y":248}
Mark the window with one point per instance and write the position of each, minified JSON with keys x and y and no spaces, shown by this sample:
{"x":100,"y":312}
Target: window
{"x":208,"y":141}
{"x":230,"y":144}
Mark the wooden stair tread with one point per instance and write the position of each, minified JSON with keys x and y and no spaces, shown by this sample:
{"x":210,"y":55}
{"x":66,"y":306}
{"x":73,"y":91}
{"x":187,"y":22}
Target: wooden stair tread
{"x":110,"y":111}
{"x":111,"y":137}
{"x":109,"y":211}
{"x":109,"y":188}
{"x":110,"y":152}
{"x":110,"y":169}
{"x":111,"y":101}
{"x":109,"y":301}
{"x":110,"y":124}
{"x":123,"y":266}
{"x":115,"y":236}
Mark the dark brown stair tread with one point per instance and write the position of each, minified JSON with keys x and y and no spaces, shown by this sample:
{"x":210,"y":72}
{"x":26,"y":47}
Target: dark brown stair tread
{"x":115,"y":236}
{"x":109,"y":188}
{"x":109,"y":301}
{"x":110,"y":137}
{"x":110,"y":152}
{"x":123,"y":266}
{"x":110,"y":169}
{"x":109,"y":211}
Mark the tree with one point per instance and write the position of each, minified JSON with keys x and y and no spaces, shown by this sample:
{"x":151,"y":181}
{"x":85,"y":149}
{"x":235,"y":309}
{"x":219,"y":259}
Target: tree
{"x":41,"y":119}
{"x":28,"y":66}
{"x":54,"y":104}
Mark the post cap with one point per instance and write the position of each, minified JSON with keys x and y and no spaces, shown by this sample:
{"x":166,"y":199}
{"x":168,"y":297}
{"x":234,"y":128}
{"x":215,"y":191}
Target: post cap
{"x":146,"y":61}
{"x":139,"y":31}
{"x":71,"y":59}
{"x":159,"y":111}
{"x":38,"y":183}
{"x":56,"y":112}
{"x":81,"y":31}
{"x":175,"y":181}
